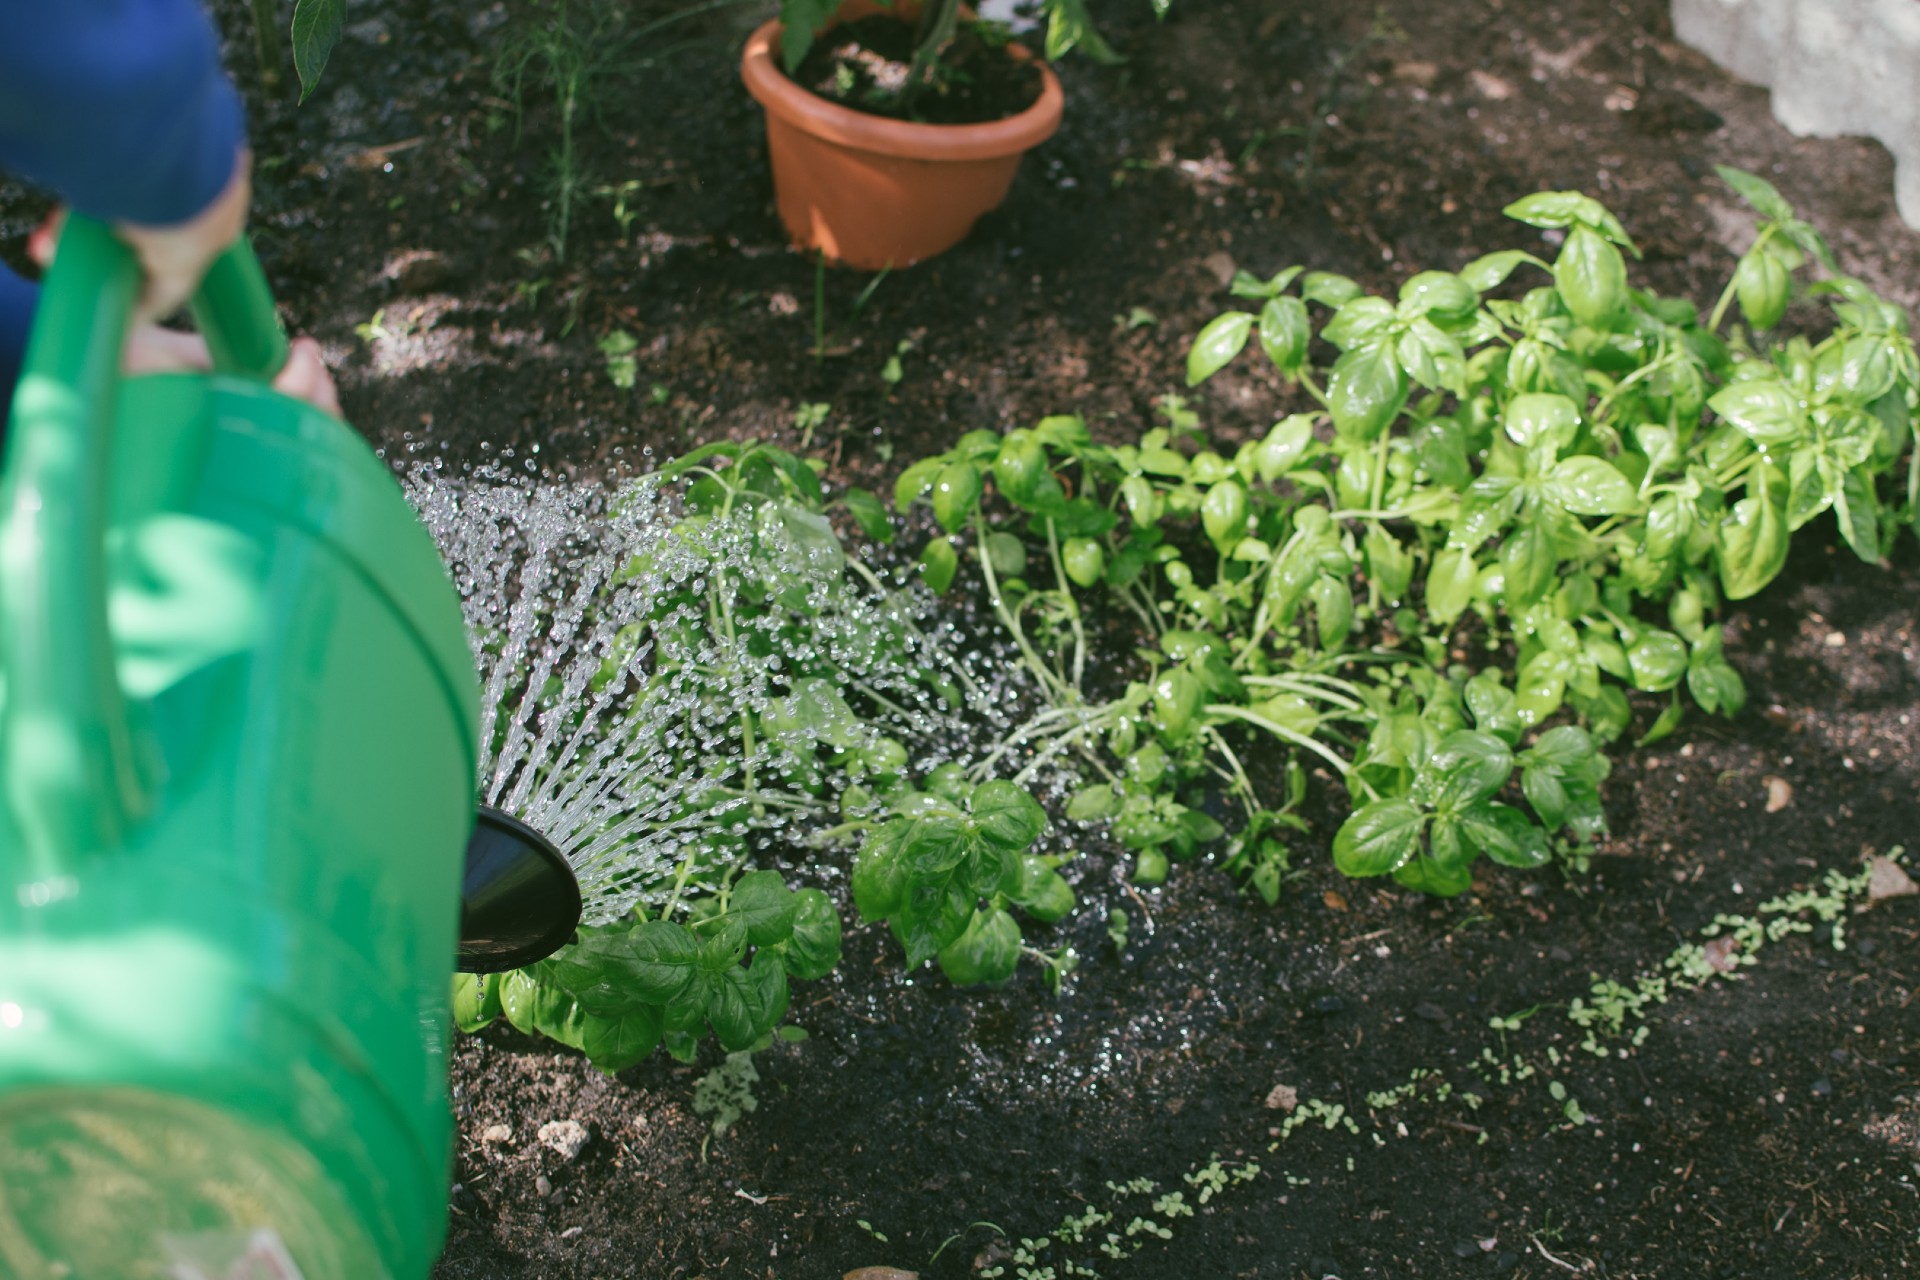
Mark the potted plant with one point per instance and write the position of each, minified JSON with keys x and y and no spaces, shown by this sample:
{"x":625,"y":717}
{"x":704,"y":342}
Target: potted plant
{"x":876,"y":178}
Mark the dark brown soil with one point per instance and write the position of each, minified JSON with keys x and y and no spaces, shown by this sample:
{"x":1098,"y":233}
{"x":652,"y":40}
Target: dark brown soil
{"x":1768,"y":1127}
{"x":865,"y":65}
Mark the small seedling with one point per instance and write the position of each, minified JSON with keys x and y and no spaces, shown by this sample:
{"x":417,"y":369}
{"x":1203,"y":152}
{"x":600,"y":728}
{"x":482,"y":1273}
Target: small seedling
{"x":623,"y":367}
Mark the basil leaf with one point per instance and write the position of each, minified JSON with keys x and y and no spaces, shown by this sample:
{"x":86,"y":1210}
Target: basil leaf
{"x":616,"y":1043}
{"x":1466,"y":768}
{"x":1765,"y":411}
{"x":1378,"y":837}
{"x":1219,"y":342}
{"x":1284,"y":332}
{"x":813,"y":949}
{"x":1591,"y":487}
{"x":956,"y":493}
{"x":1592,"y":278}
{"x":1527,"y":559}
{"x":765,"y":905}
{"x":870,"y":514}
{"x":1506,"y":835}
{"x":988,"y":951}
{"x":1365,"y":391}
{"x":938,"y":563}
{"x":1751,"y":546}
{"x":1450,"y":583}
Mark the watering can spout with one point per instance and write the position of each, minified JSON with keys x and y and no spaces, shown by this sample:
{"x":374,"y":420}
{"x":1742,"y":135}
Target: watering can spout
{"x":519,"y":901}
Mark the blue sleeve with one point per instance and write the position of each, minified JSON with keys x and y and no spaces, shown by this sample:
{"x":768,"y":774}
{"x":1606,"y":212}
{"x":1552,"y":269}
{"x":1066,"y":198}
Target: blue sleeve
{"x":119,"y":107}
{"x":17,"y":299}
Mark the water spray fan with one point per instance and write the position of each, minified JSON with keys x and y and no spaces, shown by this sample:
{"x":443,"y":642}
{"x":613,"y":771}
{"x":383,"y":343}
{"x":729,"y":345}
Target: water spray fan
{"x":238,"y":733}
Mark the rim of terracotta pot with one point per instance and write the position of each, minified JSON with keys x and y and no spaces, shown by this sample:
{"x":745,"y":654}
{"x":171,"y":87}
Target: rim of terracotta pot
{"x":779,"y":94}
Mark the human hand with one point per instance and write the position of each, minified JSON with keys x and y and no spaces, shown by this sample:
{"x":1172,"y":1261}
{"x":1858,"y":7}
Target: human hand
{"x":151,"y":349}
{"x":174,"y":258}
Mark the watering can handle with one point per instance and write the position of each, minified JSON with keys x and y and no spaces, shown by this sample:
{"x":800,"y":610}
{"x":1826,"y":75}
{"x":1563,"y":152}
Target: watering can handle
{"x":69,"y":769}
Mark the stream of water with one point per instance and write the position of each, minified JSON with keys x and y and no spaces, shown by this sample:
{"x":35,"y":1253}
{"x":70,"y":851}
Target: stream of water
{"x":627,"y":692}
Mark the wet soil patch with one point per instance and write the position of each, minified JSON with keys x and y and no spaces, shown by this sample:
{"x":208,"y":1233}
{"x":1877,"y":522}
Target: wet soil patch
{"x":1767,"y":1127}
{"x":865,"y":65}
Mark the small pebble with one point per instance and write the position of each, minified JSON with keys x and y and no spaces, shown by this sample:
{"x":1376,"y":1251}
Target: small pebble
{"x":1822,"y":1087}
{"x":543,"y":1186}
{"x":564,"y":1136}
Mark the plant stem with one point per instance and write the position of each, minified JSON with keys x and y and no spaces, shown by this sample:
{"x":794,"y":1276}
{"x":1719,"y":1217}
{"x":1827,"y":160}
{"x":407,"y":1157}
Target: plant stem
{"x":1056,"y":688}
{"x":266,"y":49}
{"x":1073,"y":606}
{"x":1279,"y":731}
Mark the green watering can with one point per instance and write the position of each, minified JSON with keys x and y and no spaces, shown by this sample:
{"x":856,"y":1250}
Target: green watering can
{"x":238,"y":720}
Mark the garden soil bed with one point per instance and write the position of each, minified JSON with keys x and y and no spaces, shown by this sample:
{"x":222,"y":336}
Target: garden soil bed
{"x":1766,"y":1127}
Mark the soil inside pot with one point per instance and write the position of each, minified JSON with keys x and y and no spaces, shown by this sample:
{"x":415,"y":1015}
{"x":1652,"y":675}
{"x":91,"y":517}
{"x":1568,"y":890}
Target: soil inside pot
{"x":864,"y":65}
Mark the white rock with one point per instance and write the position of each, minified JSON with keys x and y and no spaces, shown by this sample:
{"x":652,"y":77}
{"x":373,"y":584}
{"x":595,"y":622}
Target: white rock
{"x":564,"y":1136}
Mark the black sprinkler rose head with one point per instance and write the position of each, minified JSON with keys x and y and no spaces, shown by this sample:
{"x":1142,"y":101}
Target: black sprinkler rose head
{"x":519,"y":902}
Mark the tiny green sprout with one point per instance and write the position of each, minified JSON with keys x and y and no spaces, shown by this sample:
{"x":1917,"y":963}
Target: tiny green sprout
{"x":1117,"y":929}
{"x":868,"y":1227}
{"x":1136,"y":318}
{"x":659,"y":394}
{"x":809,"y":418}
{"x":623,"y":367}
{"x":891,"y":373}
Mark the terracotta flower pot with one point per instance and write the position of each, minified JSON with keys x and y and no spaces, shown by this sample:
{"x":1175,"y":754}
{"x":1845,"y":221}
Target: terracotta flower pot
{"x":874,"y":192}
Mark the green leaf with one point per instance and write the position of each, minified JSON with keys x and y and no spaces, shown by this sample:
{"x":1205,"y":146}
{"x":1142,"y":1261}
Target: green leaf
{"x":956,"y":493}
{"x":1450,"y":583}
{"x":1363,"y":322}
{"x":1490,"y":272}
{"x":870,"y":514}
{"x":1758,"y":192}
{"x":476,"y":1000}
{"x":1751,"y":545}
{"x":616,"y":1043}
{"x":1658,"y":660}
{"x":1365,"y":391}
{"x":1565,"y":747}
{"x":765,"y":905}
{"x":1069,"y":27}
{"x":914,"y":481}
{"x":1328,"y":289}
{"x":1219,"y":342}
{"x":1332,"y":610}
{"x":316,"y":29}
{"x":1715,"y":685}
{"x":1007,"y":816}
{"x":938,"y":563}
{"x":1285,"y":445}
{"x":936,"y":914}
{"x":747,"y":1002}
{"x":1765,"y":411}
{"x":1669,"y":721}
{"x":1589,"y":486}
{"x":1046,"y":896}
{"x":1547,"y":794}
{"x":1506,"y":835}
{"x":1093,"y":802}
{"x":1592,"y":278}
{"x":1378,"y":837}
{"x":1441,"y":294}
{"x":1425,"y":875}
{"x":988,"y":951}
{"x":1763,"y":286}
{"x":1466,"y":768}
{"x":661,"y":960}
{"x":1858,"y":509}
{"x":880,"y":873}
{"x":1527,"y":559}
{"x":1541,"y":419}
{"x":1389,"y":565}
{"x":813,"y":950}
{"x":1284,"y":332}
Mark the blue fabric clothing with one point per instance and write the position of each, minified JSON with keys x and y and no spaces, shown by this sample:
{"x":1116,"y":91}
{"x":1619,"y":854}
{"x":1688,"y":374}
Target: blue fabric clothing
{"x":120,"y":108}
